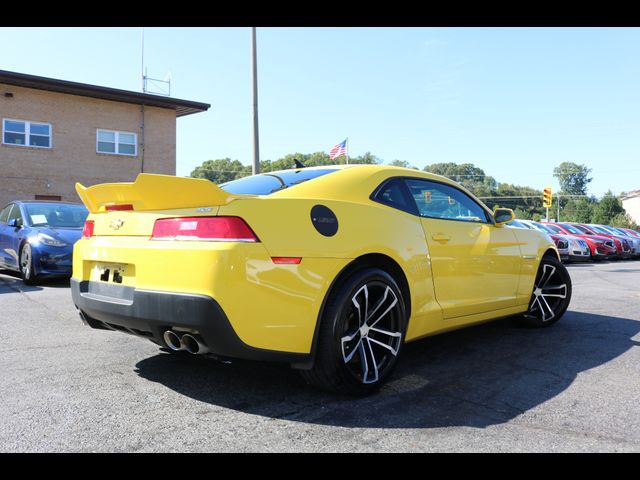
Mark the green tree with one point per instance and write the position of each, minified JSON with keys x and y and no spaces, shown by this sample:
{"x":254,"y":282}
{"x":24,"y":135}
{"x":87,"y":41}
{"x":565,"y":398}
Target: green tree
{"x":526,"y":200}
{"x":607,"y":209}
{"x":313,"y":160}
{"x":521,"y":214}
{"x":288,"y":161}
{"x":221,"y":170}
{"x":623,"y":220}
{"x":367,"y":158}
{"x":573,"y":178}
{"x":401,"y":163}
{"x":224,"y":169}
{"x":467,"y":175}
{"x":578,"y":210}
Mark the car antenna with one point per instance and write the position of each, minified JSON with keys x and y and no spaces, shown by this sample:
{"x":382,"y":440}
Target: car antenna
{"x":299,"y":164}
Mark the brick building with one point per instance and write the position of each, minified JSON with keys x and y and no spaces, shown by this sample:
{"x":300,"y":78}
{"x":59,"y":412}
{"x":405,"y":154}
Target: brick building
{"x":56,"y":133}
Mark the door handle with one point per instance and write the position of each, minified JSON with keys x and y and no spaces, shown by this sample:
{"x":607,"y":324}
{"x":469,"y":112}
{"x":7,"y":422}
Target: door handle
{"x":440,"y":237}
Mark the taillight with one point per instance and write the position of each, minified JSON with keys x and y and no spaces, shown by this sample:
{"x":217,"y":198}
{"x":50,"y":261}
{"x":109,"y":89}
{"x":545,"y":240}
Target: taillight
{"x":87,"y":230}
{"x":223,"y":229}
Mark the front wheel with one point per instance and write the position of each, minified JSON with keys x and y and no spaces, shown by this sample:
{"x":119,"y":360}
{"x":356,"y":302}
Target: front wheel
{"x":361,"y":333}
{"x":26,"y":265}
{"x":551,"y":294}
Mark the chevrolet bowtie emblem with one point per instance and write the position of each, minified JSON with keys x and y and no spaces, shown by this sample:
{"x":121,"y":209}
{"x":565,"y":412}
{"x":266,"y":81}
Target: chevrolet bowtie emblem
{"x":116,"y":224}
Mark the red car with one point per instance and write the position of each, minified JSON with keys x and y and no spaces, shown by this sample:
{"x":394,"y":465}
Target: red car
{"x":601,"y":247}
{"x":622,"y":245}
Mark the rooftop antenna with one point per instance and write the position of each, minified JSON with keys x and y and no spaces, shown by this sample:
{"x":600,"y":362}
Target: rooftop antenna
{"x":154,"y":86}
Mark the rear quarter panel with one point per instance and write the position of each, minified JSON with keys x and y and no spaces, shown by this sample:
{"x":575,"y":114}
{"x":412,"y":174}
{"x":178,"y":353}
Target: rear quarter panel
{"x":285,"y":228}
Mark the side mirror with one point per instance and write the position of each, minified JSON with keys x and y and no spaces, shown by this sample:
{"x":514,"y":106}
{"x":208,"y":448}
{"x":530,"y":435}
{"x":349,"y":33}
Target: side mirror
{"x":14,"y":223}
{"x":502,"y":216}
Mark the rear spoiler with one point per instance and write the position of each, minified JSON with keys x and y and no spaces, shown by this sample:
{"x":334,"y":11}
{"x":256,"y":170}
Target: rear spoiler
{"x":155,"y":192}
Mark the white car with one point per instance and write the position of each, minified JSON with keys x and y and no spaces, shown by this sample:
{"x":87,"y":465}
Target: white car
{"x":577,"y":249}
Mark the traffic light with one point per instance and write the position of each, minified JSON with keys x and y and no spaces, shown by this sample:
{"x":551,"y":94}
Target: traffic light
{"x":546,"y":197}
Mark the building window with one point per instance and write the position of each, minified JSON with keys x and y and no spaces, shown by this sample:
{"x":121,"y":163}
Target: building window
{"x":116,"y":143}
{"x":26,"y":134}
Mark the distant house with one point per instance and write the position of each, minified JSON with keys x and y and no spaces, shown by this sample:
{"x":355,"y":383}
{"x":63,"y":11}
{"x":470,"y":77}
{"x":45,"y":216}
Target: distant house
{"x":631,"y":203}
{"x":56,"y":133}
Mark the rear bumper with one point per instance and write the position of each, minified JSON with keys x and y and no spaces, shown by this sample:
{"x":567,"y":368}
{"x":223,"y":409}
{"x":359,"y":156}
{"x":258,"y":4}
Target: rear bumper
{"x":149,"y":314}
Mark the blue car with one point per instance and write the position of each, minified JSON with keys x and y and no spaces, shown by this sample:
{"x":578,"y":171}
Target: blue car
{"x":36,"y":238}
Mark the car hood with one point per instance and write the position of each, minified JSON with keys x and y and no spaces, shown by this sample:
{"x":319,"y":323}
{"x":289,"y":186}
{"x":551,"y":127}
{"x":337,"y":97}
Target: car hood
{"x":574,"y":238}
{"x":595,"y":237}
{"x":67,"y":235}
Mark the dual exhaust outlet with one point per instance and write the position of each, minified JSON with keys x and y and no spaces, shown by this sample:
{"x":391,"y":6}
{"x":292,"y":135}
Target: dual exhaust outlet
{"x":191,"y":343}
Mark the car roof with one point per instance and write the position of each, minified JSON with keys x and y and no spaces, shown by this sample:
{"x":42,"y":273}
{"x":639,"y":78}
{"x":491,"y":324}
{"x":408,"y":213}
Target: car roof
{"x":355,"y":182}
{"x":44,"y":201}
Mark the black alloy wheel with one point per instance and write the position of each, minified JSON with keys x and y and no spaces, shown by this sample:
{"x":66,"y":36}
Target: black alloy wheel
{"x":551,"y":294}
{"x":361,"y":334}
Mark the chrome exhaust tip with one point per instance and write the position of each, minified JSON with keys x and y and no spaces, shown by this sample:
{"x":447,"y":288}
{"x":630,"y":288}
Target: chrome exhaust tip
{"x":193,"y":344}
{"x":173,"y":341}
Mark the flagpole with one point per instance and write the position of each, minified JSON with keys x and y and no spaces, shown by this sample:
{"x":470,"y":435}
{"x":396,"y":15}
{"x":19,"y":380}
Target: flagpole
{"x":255,"y":168}
{"x":346,"y":144}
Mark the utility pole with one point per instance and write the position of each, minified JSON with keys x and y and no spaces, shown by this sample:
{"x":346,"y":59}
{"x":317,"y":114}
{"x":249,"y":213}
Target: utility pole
{"x":142,"y":57}
{"x":254,"y":98}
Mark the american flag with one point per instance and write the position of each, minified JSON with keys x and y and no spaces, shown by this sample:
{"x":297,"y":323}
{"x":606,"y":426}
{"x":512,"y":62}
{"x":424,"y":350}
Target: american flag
{"x":339,"y":149}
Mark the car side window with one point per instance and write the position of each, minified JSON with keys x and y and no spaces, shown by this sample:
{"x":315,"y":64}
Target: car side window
{"x":16,"y":214}
{"x":4,"y":214}
{"x":394,"y":193}
{"x":438,"y":200}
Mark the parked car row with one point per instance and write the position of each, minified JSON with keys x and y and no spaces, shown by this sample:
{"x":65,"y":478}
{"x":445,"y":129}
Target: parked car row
{"x":585,"y":242}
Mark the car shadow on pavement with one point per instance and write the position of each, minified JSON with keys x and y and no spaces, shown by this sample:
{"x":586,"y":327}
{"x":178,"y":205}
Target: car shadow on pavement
{"x":12,"y":282}
{"x":475,"y":377}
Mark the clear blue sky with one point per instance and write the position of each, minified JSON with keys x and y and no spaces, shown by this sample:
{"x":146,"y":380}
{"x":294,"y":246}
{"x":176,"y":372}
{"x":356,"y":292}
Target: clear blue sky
{"x":514,"y":101}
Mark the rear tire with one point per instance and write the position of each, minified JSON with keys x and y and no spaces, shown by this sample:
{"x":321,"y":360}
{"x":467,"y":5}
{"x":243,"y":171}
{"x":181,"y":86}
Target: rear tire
{"x":551,"y":294}
{"x":361,"y":334}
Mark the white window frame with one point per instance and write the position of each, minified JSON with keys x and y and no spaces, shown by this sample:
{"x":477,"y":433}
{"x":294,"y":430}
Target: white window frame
{"x":117,"y":142}
{"x":27,"y":133}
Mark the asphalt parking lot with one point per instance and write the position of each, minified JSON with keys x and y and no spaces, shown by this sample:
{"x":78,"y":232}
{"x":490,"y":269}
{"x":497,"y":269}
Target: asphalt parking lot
{"x":497,"y":387}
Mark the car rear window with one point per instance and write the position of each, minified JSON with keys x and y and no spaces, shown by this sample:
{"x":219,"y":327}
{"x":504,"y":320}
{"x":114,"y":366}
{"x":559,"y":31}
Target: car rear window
{"x":266,"y":183}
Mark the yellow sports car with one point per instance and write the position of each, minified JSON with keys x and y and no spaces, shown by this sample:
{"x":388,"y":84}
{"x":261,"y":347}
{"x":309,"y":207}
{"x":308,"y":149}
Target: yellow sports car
{"x":330,"y":269}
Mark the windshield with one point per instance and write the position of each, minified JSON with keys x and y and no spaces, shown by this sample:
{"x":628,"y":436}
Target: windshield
{"x":55,"y":215}
{"x":516,"y":223}
{"x":267,"y":183}
{"x":543,"y":227}
{"x":617,"y":231}
{"x":572,"y":229}
{"x":600,"y":230}
{"x":553,"y":228}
